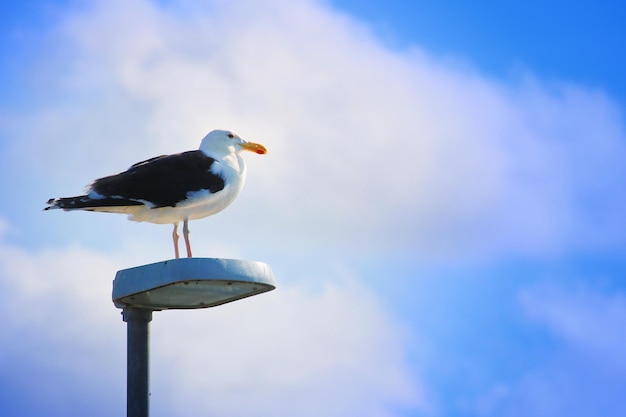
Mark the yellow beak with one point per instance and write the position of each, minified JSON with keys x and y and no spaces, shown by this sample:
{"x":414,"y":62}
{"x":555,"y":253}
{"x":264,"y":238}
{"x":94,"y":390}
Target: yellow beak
{"x":254,"y":147}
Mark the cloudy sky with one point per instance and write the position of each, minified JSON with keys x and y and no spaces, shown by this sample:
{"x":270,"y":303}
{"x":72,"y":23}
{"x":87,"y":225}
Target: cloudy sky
{"x":443,"y":205}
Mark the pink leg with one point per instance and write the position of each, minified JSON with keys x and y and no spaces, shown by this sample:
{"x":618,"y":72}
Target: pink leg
{"x":175,"y":237}
{"x":186,"y":236}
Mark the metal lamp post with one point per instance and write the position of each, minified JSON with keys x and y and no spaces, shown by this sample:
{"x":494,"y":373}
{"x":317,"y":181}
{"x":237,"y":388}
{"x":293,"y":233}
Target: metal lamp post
{"x":185,"y":283}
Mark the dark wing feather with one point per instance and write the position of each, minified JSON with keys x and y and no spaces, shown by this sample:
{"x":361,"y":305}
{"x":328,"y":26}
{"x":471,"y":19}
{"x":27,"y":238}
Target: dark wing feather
{"x":84,"y":202}
{"x":148,"y":160}
{"x":163,"y":181}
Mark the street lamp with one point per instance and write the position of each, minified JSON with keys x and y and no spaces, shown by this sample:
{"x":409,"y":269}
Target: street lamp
{"x":184,"y":283}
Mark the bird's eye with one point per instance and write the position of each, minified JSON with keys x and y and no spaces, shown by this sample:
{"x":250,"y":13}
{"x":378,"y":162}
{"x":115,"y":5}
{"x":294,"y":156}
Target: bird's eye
{"x":230,"y":135}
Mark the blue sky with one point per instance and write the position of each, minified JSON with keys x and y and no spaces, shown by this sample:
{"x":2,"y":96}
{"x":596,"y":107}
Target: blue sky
{"x":442,"y":204}
{"x":574,"y":41}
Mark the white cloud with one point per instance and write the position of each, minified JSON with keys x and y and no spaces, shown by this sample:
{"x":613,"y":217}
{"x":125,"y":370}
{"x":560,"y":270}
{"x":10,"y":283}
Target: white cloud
{"x":62,"y":341}
{"x":331,"y":349}
{"x":333,"y":353}
{"x":583,"y":370}
{"x":584,"y":317}
{"x":569,"y":358}
{"x":369,"y":149}
{"x":372,"y":150}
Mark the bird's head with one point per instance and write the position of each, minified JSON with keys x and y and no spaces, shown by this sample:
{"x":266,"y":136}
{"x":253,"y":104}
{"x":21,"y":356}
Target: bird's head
{"x":225,"y":142}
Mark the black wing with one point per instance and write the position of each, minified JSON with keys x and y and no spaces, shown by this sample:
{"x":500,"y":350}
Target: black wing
{"x":164,"y":180}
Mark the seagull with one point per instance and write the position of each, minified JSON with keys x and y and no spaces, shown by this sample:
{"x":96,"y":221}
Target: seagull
{"x":170,"y":189}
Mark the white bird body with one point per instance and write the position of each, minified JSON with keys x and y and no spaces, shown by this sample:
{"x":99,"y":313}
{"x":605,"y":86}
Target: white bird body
{"x":172,"y":188}
{"x":197,"y":205}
